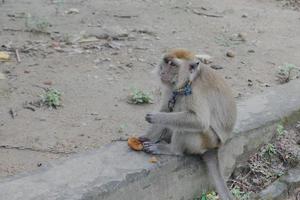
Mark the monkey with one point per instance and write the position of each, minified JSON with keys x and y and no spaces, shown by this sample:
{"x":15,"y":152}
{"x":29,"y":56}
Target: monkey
{"x":197,"y":114}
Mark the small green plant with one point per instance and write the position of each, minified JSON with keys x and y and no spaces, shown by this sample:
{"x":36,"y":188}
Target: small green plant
{"x":239,"y":194}
{"x":208,"y":196}
{"x":285,"y":72}
{"x":139,"y":97}
{"x":280,"y":129}
{"x":122,"y":128}
{"x":51,"y":98}
{"x":212,"y":196}
{"x":36,"y":24}
{"x":270,"y":149}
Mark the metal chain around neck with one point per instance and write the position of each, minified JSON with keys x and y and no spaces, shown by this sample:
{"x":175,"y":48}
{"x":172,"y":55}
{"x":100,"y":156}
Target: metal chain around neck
{"x":186,"y":90}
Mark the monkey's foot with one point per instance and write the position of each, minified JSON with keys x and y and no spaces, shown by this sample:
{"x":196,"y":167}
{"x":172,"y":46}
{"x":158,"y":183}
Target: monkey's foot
{"x":158,"y":149}
{"x":152,"y":148}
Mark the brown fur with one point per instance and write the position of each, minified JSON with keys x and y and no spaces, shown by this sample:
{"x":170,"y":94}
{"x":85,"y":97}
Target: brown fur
{"x":180,"y":54}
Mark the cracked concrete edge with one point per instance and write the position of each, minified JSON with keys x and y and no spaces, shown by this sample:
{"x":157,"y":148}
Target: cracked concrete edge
{"x":283,"y":187}
{"x":115,"y":172}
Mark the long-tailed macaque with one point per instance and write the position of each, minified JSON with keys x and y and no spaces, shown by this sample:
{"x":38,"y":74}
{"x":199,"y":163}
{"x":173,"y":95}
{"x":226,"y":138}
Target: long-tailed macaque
{"x":198,"y":112}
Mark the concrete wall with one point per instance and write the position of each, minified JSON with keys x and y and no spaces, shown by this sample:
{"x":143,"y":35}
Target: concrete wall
{"x":114,"y":172}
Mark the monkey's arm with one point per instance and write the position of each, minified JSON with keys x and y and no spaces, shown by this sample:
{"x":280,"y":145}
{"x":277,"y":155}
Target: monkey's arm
{"x":185,"y":120}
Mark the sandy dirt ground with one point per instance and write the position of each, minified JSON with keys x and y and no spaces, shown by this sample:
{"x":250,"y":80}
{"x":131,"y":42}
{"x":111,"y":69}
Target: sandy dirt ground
{"x":94,"y":52}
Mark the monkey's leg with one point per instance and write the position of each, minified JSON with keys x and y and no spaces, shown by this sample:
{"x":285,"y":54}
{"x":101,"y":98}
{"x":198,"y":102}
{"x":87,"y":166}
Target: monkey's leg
{"x":187,"y":121}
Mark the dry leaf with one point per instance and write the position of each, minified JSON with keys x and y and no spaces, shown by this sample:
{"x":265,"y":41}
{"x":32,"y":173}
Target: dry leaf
{"x":2,"y":76}
{"x":153,"y":159}
{"x":135,"y":144}
{"x":4,"y":56}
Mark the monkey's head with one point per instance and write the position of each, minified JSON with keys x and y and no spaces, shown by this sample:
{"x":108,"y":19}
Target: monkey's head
{"x":177,"y":67}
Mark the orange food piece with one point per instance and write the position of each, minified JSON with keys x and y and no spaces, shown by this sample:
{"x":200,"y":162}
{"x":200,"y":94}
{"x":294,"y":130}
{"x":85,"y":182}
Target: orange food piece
{"x":135,"y":144}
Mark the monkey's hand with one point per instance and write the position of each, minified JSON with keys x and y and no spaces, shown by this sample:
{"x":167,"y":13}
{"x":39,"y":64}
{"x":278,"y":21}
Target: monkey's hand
{"x":153,"y":118}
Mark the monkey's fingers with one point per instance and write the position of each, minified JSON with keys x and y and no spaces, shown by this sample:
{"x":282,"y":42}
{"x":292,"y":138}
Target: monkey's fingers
{"x":150,"y":147}
{"x":148,"y":118}
{"x":143,"y":139}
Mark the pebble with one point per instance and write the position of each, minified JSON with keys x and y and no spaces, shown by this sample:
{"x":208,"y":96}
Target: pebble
{"x":251,"y":51}
{"x":242,"y":36}
{"x":244,"y":15}
{"x":204,"y":58}
{"x":47,"y":83}
{"x":230,"y":54}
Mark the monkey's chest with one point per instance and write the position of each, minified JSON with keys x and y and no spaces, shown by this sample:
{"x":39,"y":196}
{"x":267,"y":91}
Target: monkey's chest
{"x":181,"y":104}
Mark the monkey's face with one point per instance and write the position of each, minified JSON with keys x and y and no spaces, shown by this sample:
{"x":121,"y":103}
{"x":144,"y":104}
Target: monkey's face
{"x":176,"y":72}
{"x":168,"y":70}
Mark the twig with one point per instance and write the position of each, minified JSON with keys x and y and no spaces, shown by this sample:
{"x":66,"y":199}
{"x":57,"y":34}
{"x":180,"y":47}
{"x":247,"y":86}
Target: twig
{"x":205,"y":14}
{"x":36,"y":150}
{"x":18,"y":55}
{"x":12,"y":29}
{"x":125,"y":16}
{"x":240,"y":184}
{"x":12,"y":113}
{"x":119,"y":139}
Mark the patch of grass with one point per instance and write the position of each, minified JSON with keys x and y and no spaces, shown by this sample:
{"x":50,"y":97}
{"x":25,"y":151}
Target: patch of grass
{"x":51,"y":98}
{"x":284,"y":73}
{"x":239,"y":194}
{"x":36,"y":24}
{"x":138,"y":96}
{"x":58,"y":5}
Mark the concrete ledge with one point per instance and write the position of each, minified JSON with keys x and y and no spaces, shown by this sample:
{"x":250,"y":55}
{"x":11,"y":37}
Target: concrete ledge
{"x":115,"y":172}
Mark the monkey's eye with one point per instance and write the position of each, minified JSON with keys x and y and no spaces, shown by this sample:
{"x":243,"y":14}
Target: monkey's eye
{"x":171,"y":63}
{"x":193,"y":66}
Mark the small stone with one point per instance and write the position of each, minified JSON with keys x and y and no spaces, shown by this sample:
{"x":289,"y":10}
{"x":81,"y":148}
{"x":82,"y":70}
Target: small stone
{"x":251,"y":51}
{"x":26,"y":71}
{"x":204,"y":58}
{"x":39,"y":164}
{"x":47,"y":83}
{"x":230,"y":54}
{"x":250,"y":83}
{"x":242,"y":36}
{"x":216,"y":67}
{"x":129,"y":65}
{"x":244,"y":15}
{"x":72,"y":11}
{"x":141,"y":60}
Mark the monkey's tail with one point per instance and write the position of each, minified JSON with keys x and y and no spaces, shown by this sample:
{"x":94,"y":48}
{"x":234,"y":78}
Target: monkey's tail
{"x":211,"y":159}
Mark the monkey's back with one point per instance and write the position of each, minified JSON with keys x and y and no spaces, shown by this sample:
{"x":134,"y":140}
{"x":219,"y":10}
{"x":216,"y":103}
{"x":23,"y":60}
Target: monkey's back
{"x":212,"y":88}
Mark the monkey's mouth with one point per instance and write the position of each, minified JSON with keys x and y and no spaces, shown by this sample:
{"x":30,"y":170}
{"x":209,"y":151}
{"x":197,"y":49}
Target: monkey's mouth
{"x":165,"y":79}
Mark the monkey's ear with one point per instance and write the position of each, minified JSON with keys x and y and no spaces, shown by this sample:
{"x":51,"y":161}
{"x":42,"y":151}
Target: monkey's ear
{"x":194,"y":66}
